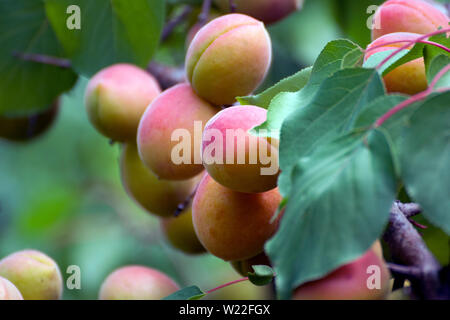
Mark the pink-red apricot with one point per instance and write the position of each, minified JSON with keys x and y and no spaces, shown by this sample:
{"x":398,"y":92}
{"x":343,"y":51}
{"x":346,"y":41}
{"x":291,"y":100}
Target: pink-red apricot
{"x":8,"y":291}
{"x":36,"y":275}
{"x":409,"y":78}
{"x":414,"y":16}
{"x":160,"y":197}
{"x":180,"y":233}
{"x":268,"y":11}
{"x":349,"y":282}
{"x":228,"y":57}
{"x":235,"y":158}
{"x":169,"y":134}
{"x":116,"y":97}
{"x":137,"y":283}
{"x":25,"y":128}
{"x":233,"y":225}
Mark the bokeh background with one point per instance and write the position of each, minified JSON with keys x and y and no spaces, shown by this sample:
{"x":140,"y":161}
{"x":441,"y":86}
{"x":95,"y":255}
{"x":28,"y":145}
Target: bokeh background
{"x":62,"y":194}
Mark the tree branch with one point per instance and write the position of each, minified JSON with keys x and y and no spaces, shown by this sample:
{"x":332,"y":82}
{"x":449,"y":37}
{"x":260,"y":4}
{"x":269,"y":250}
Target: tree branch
{"x":408,"y":249}
{"x":39,"y":58}
{"x":167,"y":76}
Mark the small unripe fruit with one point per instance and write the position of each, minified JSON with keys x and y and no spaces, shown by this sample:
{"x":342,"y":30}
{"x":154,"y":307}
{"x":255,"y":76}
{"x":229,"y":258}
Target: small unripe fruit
{"x":244,"y":267}
{"x":233,"y":225}
{"x":409,"y":78}
{"x":35,"y":274}
{"x":268,"y":11}
{"x":235,"y":158}
{"x":349,"y":282}
{"x":175,"y":119}
{"x":25,"y":128}
{"x":8,"y":290}
{"x":414,"y":16}
{"x":116,"y":97}
{"x":137,"y":283}
{"x":228,"y":57}
{"x":160,"y":197}
{"x":180,"y":233}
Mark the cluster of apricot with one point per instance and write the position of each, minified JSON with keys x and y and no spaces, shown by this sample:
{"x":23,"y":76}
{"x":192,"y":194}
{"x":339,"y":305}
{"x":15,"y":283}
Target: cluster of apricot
{"x":169,"y":139}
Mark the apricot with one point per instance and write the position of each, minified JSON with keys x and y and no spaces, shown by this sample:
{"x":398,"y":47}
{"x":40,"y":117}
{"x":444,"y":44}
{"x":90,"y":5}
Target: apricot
{"x":243,"y":267}
{"x":25,"y":128}
{"x":268,"y":11}
{"x":414,"y":16}
{"x":8,"y":291}
{"x":349,"y":282}
{"x":409,"y":78}
{"x":235,"y":158}
{"x":116,"y":97}
{"x":137,"y":283}
{"x":160,"y":197}
{"x":180,"y":233}
{"x":35,"y":274}
{"x":228,"y":57}
{"x":233,"y":225}
{"x":170,"y":133}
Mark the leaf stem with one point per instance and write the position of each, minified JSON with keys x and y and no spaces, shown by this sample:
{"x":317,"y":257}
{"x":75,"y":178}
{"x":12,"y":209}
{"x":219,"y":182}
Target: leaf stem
{"x":226,"y":285}
{"x":413,"y":99}
{"x":423,"y":37}
{"x":438,"y":45}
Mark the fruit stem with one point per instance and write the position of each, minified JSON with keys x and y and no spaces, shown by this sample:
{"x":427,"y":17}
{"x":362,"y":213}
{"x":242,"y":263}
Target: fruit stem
{"x":226,"y":285}
{"x":423,"y":37}
{"x":204,"y":14}
{"x":415,"y":98}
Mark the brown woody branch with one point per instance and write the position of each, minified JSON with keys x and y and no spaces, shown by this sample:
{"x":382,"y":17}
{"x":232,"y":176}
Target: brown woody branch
{"x":413,"y":259}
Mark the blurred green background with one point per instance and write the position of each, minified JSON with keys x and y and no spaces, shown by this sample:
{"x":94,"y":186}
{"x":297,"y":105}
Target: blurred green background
{"x":62,"y":194}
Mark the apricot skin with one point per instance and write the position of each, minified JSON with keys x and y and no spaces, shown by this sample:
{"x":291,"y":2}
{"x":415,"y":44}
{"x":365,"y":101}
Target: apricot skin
{"x":35,"y":274}
{"x":243,"y":177}
{"x":348,"y":282}
{"x":177,"y":108}
{"x":180,"y":233}
{"x":232,"y":225}
{"x":414,"y":16}
{"x":409,"y":78}
{"x":268,"y":11}
{"x":228,"y":57}
{"x":137,"y":283}
{"x":116,"y":97}
{"x":8,"y":291}
{"x":22,"y":129}
{"x":160,"y":197}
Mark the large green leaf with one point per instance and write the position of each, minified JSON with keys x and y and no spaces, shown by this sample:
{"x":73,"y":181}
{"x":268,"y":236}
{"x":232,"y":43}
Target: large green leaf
{"x":335,"y":56}
{"x":339,"y":204}
{"x":332,"y":111}
{"x":425,"y":159}
{"x":436,"y":65}
{"x":111,"y":31}
{"x":27,"y":87}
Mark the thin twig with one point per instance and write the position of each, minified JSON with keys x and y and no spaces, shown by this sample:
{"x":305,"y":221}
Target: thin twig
{"x":186,"y":203}
{"x":39,"y":58}
{"x":167,"y":76}
{"x":233,"y":7}
{"x":173,"y":23}
{"x":204,"y":14}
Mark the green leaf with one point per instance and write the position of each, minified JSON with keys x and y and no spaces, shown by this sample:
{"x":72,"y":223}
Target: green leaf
{"x":430,"y":52}
{"x":425,"y":159}
{"x":339,"y":205}
{"x":261,"y":276}
{"x":188,"y":293}
{"x":289,"y":84}
{"x":111,"y":31}
{"x":333,"y":111}
{"x":436,"y":65}
{"x":27,"y":87}
{"x":331,"y":59}
{"x":378,"y":57}
{"x":376,"y":109}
